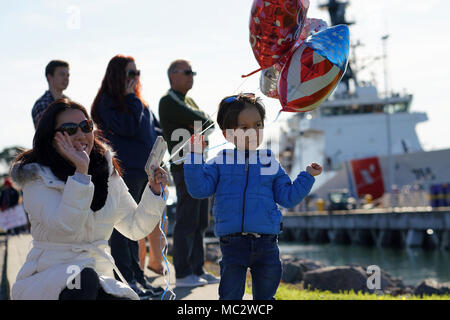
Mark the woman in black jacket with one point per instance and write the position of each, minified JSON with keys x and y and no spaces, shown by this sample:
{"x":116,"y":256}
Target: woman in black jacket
{"x":131,"y":127}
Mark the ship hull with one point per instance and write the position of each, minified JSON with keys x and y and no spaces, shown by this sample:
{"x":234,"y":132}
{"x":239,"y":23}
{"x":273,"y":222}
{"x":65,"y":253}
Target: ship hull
{"x":419,"y":170}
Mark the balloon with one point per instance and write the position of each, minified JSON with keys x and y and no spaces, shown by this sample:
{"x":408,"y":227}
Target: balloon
{"x":268,"y":81}
{"x":274,"y":28}
{"x":312,"y":26}
{"x":314,"y":69}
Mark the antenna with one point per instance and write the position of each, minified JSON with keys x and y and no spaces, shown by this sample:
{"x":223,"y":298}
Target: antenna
{"x":385,"y":66}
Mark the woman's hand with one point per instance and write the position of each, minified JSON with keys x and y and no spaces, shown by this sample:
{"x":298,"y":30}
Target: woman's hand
{"x":161,"y":177}
{"x":72,"y":152}
{"x":314,"y":169}
{"x":130,"y":86}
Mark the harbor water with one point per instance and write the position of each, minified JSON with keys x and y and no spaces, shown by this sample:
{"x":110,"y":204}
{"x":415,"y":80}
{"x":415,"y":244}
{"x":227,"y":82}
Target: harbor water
{"x":412,"y":265}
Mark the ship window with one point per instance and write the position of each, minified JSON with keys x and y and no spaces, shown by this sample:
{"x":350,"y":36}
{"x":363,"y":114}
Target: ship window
{"x":347,"y":110}
{"x":326,"y":112}
{"x":378,"y":108}
{"x":356,"y":109}
{"x":400,"y":107}
{"x":368,"y":109}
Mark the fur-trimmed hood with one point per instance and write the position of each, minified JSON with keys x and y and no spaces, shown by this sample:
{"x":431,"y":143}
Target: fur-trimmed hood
{"x":33,"y":171}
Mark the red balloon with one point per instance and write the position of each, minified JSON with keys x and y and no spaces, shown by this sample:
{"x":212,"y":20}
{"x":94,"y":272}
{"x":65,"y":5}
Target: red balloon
{"x":274,"y":28}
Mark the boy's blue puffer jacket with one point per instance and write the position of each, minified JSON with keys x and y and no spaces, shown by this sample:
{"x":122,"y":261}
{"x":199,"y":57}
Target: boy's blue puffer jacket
{"x":247,"y":185}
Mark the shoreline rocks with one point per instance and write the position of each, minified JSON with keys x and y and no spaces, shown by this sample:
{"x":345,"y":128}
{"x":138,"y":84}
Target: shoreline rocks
{"x":430,"y":287}
{"x":315,"y":275}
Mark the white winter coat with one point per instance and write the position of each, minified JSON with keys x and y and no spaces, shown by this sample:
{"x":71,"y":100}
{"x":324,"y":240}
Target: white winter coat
{"x":68,"y":236}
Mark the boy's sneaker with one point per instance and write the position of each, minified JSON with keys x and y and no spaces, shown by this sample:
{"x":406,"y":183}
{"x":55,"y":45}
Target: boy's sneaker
{"x":190,"y":281}
{"x":210,"y":278}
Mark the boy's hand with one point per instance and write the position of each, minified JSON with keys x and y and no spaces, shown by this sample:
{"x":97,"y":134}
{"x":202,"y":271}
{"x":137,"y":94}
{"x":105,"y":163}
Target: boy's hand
{"x":197,"y":144}
{"x":314,"y":169}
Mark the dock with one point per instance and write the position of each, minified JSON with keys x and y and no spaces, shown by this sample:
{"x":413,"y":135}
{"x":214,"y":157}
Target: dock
{"x":393,"y":227}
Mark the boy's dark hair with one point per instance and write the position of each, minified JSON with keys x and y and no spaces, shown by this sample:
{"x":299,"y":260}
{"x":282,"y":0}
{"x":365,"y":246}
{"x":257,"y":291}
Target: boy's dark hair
{"x":52,"y":65}
{"x":230,"y":107}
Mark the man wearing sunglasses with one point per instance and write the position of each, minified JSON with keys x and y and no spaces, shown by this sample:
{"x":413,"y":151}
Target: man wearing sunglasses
{"x":57,"y":74}
{"x":178,"y":111}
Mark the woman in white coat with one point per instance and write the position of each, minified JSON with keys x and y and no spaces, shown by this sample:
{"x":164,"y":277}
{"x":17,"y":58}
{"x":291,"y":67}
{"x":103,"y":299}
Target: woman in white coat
{"x":74,"y":196}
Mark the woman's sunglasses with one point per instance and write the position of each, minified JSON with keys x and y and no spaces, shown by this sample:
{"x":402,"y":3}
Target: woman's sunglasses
{"x":133,"y":73}
{"x":71,"y":128}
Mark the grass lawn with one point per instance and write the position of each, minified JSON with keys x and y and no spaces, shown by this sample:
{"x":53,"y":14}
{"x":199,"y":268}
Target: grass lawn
{"x":292,"y":292}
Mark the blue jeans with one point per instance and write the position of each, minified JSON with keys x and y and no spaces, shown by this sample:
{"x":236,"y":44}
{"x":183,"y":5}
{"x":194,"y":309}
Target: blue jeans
{"x":261,"y":255}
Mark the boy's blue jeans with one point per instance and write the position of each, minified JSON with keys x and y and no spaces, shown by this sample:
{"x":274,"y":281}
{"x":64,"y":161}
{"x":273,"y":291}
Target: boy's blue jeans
{"x":261,"y":255}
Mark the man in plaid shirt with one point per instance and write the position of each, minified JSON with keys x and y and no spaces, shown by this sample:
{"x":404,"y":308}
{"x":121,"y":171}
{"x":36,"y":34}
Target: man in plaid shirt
{"x":57,"y":74}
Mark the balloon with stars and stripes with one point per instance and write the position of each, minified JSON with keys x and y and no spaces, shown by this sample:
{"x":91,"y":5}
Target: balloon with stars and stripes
{"x":314,"y":69}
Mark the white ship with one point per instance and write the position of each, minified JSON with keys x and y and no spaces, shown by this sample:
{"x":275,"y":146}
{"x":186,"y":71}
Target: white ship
{"x":366,"y":142}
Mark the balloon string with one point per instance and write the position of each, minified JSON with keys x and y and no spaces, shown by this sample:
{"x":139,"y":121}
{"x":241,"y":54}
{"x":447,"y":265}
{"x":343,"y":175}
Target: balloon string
{"x":278,"y":115}
{"x":236,"y":90}
{"x":182,"y":146}
{"x":184,"y":158}
{"x":251,"y":73}
{"x":166,"y":271}
{"x":178,"y":150}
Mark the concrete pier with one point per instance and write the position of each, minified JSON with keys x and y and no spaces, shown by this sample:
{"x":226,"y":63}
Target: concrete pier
{"x":398,"y":227}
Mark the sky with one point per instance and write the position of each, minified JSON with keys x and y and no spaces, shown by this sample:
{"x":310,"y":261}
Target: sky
{"x":214,"y":36}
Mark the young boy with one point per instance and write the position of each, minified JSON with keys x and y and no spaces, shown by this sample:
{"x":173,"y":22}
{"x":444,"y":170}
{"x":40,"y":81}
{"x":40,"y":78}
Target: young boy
{"x":248,"y":184}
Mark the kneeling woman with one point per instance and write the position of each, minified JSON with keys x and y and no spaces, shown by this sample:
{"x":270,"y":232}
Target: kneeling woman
{"x":74,"y":196}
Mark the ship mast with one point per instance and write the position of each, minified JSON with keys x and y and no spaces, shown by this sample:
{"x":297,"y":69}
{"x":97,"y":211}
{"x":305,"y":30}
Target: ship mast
{"x":337,"y":10}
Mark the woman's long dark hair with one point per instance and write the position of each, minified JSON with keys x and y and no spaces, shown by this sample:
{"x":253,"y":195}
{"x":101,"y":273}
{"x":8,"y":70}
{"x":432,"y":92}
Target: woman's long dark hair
{"x":45,"y":154}
{"x":113,"y":85}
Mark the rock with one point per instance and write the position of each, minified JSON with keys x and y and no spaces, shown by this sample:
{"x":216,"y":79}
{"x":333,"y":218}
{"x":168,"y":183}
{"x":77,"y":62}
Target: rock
{"x":397,"y":282}
{"x":288,"y":257}
{"x":427,"y":287}
{"x":335,"y":279}
{"x":394,"y":291}
{"x":445,"y":288}
{"x":430,"y":287}
{"x":387,"y":281}
{"x":408,"y":290}
{"x":309,"y":265}
{"x":292,"y":272}
{"x":293,"y":268}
